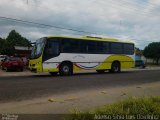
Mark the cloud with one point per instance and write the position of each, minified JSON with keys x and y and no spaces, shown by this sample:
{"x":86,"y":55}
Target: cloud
{"x":136,"y":20}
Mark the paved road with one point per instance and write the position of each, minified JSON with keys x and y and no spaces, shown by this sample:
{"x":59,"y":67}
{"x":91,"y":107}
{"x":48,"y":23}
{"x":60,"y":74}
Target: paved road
{"x":20,"y":88}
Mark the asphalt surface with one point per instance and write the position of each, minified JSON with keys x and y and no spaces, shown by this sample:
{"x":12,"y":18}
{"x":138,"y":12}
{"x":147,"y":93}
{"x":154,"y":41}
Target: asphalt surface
{"x":28,"y":87}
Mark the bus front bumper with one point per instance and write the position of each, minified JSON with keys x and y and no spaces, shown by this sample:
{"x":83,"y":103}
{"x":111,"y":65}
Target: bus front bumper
{"x":35,"y":69}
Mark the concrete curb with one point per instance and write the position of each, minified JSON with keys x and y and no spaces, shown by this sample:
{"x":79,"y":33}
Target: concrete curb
{"x":9,"y":74}
{"x":28,"y":73}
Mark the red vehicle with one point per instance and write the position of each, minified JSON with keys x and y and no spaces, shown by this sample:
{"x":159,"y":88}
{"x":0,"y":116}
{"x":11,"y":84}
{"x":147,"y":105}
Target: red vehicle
{"x":12,"y":63}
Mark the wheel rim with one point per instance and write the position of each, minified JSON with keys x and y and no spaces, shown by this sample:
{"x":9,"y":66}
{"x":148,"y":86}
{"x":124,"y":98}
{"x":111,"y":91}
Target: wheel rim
{"x":65,"y":69}
{"x":116,"y":68}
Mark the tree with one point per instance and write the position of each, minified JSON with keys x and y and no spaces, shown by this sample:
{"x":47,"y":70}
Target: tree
{"x":2,"y":45}
{"x":152,"y":51}
{"x":14,"y":38}
{"x":138,"y":51}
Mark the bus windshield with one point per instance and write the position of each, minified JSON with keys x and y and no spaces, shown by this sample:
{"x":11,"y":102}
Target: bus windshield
{"x":38,"y":48}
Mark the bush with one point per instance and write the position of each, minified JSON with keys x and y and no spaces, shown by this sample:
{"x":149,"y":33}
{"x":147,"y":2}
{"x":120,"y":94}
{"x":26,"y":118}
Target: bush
{"x":132,"y":108}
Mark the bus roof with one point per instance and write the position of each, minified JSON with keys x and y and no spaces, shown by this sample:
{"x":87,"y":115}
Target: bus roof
{"x":92,"y":38}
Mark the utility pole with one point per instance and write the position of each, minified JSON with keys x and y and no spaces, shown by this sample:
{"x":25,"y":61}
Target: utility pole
{"x":27,"y":2}
{"x":120,"y":25}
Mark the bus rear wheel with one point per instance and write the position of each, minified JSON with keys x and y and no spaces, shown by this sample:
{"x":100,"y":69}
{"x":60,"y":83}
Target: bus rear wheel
{"x":66,"y":69}
{"x":115,"y":68}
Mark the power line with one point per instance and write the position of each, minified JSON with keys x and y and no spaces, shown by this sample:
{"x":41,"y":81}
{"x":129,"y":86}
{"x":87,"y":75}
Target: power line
{"x":46,"y":25}
{"x":139,"y":3}
{"x":146,"y":6}
{"x":144,"y":13}
{"x":125,"y":7}
{"x":119,"y":3}
{"x":57,"y":27}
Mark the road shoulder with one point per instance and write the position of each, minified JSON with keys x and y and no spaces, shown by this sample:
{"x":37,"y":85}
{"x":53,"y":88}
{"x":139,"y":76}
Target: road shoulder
{"x":82,"y":100}
{"x":29,"y":73}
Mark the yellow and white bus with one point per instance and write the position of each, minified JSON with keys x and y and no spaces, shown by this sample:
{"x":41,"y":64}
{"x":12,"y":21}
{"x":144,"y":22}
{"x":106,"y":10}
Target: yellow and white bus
{"x":64,"y":55}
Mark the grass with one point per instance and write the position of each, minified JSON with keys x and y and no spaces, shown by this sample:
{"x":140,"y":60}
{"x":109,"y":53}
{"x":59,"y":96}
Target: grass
{"x":132,"y":108}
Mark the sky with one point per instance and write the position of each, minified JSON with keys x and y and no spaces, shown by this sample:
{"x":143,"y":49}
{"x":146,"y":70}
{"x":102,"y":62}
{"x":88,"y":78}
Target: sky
{"x":129,"y":20}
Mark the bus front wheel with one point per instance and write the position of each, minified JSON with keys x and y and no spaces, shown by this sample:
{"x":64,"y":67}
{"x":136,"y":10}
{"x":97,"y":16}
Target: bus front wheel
{"x":115,"y":68}
{"x":66,"y":69}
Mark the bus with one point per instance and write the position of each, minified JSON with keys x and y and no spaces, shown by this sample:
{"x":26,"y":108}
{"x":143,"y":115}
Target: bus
{"x":64,"y":55}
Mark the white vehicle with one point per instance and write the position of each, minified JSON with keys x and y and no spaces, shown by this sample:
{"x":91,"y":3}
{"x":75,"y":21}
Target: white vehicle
{"x":2,"y":57}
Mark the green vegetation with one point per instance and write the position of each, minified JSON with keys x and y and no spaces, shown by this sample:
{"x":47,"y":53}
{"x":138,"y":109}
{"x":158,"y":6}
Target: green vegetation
{"x":2,"y":45}
{"x":13,"y":39}
{"x":152,"y":51}
{"x":131,"y":108}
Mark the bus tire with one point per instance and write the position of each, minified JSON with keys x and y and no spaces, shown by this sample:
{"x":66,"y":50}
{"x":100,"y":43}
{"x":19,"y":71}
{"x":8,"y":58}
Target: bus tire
{"x":115,"y":68}
{"x":66,"y":68}
{"x":100,"y":71}
{"x":53,"y":73}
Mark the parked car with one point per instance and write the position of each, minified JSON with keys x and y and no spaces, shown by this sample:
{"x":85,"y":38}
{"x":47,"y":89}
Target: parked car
{"x":2,"y":57}
{"x":140,"y":63}
{"x":12,"y":63}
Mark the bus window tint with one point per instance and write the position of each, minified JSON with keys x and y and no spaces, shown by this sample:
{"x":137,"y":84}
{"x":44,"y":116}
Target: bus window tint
{"x":102,"y":47}
{"x":55,"y":48}
{"x":116,"y":48}
{"x":128,"y":49}
{"x":70,"y":46}
{"x":95,"y":47}
{"x":83,"y":46}
{"x":91,"y":46}
{"x":51,"y":49}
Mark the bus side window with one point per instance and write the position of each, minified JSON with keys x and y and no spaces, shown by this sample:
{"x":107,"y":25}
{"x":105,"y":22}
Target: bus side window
{"x":102,"y":47}
{"x":83,"y":46}
{"x":116,"y":48}
{"x":55,"y":48}
{"x":51,"y":50}
{"x":91,"y":46}
{"x":70,"y":45}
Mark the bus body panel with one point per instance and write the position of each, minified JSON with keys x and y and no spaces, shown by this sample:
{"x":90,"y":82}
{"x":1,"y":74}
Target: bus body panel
{"x":125,"y":61}
{"x":35,"y":65}
{"x":88,"y":61}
